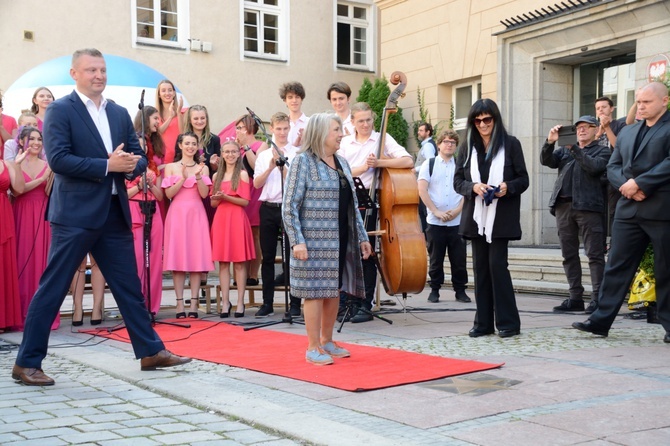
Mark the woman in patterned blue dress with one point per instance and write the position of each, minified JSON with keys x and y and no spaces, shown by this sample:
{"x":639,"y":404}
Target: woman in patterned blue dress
{"x":325,"y":232}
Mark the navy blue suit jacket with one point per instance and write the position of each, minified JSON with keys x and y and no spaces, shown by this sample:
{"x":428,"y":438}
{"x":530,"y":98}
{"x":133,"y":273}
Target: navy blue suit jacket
{"x":75,"y":151}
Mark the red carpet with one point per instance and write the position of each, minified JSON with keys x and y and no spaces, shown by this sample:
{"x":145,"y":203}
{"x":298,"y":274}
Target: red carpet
{"x":283,"y":354}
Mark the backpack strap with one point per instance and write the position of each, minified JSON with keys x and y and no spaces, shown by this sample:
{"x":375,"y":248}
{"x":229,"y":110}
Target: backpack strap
{"x":431,"y":165}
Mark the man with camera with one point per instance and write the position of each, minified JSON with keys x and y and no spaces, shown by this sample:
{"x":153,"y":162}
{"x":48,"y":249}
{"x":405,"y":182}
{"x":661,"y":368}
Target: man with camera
{"x":578,"y":204}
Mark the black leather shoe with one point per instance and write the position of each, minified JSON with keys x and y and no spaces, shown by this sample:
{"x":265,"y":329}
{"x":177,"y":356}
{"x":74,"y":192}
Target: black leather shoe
{"x":570,"y":305}
{"x":434,"y":296}
{"x":161,"y":360}
{"x":592,"y":307}
{"x":462,"y":297}
{"x":666,"y":338}
{"x":508,"y":333}
{"x":590,"y":327}
{"x":474,"y":333}
{"x":361,"y":316}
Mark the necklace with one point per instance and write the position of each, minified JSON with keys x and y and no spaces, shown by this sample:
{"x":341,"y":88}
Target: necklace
{"x":187,"y":165}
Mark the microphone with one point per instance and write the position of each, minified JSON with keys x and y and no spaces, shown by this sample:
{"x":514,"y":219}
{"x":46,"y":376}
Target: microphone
{"x":282,"y":161}
{"x":256,"y":118}
{"x":141,"y":105}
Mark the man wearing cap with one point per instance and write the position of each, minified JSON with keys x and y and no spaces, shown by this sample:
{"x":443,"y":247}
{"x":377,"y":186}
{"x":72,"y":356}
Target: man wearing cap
{"x":640,"y":170}
{"x":578,"y":204}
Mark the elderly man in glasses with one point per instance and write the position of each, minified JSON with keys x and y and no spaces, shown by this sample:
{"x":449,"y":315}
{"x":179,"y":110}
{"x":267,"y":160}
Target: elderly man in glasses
{"x":578,"y":203}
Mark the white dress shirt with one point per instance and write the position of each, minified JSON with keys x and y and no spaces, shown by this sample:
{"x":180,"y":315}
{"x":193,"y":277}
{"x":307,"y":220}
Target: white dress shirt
{"x":441,"y":189}
{"x":356,"y":153}
{"x":99,"y":117}
{"x":301,"y":123}
{"x":272,"y":188}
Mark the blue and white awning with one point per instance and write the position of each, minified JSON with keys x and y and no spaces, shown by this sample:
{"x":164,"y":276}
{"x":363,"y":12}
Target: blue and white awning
{"x":126,"y":79}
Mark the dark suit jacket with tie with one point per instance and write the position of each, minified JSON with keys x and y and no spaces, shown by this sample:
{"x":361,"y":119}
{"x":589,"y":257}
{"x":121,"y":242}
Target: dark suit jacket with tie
{"x":76,"y":153}
{"x":650,"y":168}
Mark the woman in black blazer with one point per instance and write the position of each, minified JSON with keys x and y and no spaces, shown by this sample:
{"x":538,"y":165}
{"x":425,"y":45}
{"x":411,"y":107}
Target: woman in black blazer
{"x":491,"y":175}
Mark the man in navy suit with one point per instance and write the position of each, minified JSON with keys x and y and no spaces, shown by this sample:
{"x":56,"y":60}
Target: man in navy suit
{"x":92,"y":148}
{"x":640,"y":169}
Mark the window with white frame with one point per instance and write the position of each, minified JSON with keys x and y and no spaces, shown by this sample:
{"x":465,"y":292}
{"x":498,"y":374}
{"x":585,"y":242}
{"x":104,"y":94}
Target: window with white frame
{"x":161,"y":22}
{"x":264,"y":28}
{"x":355,"y":35}
{"x":463,"y":96}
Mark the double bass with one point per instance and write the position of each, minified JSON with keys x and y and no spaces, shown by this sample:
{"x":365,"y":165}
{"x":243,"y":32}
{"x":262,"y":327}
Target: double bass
{"x":402,"y":260}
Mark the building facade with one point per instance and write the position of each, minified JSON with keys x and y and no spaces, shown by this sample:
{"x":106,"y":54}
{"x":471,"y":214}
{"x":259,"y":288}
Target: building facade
{"x":543,"y":62}
{"x":224,"y":54}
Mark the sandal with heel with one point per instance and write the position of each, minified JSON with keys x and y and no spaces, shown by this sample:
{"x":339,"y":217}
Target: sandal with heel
{"x":181,"y":314}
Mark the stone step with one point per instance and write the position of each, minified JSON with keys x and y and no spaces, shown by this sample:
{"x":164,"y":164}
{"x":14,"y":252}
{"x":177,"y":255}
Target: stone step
{"x":535,"y":270}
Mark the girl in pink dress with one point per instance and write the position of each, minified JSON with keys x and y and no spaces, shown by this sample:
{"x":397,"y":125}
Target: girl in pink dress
{"x":232,"y":239}
{"x":10,"y":303}
{"x":33,"y":233}
{"x":138,"y":199}
{"x":246,"y":129}
{"x":187,"y":245}
{"x":169,"y":109}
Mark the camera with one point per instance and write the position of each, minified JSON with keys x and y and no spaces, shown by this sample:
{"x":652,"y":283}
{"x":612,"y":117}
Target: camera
{"x":567,"y":135}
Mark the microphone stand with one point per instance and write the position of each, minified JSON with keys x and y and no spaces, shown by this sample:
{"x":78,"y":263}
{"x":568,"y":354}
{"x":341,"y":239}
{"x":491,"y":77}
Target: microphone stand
{"x":281,"y":162}
{"x":148,"y":209}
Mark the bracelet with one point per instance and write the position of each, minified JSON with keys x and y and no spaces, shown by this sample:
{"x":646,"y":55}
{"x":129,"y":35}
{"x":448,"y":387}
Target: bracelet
{"x":198,"y":178}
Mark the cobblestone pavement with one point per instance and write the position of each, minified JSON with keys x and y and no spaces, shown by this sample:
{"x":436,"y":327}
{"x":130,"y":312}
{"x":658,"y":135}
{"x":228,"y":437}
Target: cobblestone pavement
{"x":557,"y":386}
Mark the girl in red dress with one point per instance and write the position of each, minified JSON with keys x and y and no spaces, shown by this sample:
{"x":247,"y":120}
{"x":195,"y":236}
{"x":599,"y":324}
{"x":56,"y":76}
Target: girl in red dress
{"x":232,"y":238}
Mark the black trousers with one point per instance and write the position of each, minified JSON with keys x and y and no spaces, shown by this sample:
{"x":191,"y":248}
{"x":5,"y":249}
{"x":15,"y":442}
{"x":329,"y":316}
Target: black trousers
{"x":443,"y":240}
{"x":494,"y":293}
{"x":270,"y":230}
{"x":630,"y":238}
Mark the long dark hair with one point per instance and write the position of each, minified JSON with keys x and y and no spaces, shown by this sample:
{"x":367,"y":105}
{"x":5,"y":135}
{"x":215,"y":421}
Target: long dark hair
{"x":155,"y":137}
{"x":178,"y":152}
{"x":473,"y":138}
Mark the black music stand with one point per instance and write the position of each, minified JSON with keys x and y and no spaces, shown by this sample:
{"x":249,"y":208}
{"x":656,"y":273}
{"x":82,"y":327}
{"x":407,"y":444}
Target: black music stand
{"x":281,"y":163}
{"x":351,"y":304}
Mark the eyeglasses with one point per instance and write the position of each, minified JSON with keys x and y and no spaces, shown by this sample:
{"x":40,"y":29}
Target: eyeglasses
{"x":240,"y":127}
{"x":584,"y":127}
{"x":488,"y":120}
{"x":448,"y":142}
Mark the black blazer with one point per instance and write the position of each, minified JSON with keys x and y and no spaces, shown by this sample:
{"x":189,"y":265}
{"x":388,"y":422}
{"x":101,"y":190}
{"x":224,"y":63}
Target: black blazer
{"x":82,"y":190}
{"x":507,"y":224}
{"x":650,"y":168}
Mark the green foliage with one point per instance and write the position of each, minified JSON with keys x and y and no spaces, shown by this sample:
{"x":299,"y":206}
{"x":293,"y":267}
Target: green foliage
{"x":647,"y":262}
{"x":376,"y":95}
{"x":424,"y":116}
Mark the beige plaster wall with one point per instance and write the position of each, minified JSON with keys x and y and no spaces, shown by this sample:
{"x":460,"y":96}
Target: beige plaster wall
{"x":220,"y":80}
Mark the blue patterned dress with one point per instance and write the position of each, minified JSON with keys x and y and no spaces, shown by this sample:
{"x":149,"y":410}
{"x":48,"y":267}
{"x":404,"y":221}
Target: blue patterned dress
{"x":311,"y":212}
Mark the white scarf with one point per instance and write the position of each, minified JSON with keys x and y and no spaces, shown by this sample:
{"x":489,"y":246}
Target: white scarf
{"x":484,"y":215}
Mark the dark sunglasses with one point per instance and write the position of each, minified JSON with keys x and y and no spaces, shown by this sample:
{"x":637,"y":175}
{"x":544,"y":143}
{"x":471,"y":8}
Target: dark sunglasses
{"x":487,"y":121}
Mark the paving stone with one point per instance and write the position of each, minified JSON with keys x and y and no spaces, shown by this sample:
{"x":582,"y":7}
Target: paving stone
{"x":46,"y":432}
{"x":143,"y":431}
{"x":187,"y":437}
{"x":58,"y":422}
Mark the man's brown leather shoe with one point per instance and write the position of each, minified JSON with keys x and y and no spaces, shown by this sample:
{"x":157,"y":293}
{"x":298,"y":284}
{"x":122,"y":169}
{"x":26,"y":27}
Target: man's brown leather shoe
{"x":162,"y":359}
{"x":31,"y":377}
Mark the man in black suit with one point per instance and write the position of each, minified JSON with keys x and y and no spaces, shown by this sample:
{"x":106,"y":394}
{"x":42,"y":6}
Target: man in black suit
{"x":92,"y":148}
{"x":640,"y":169}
